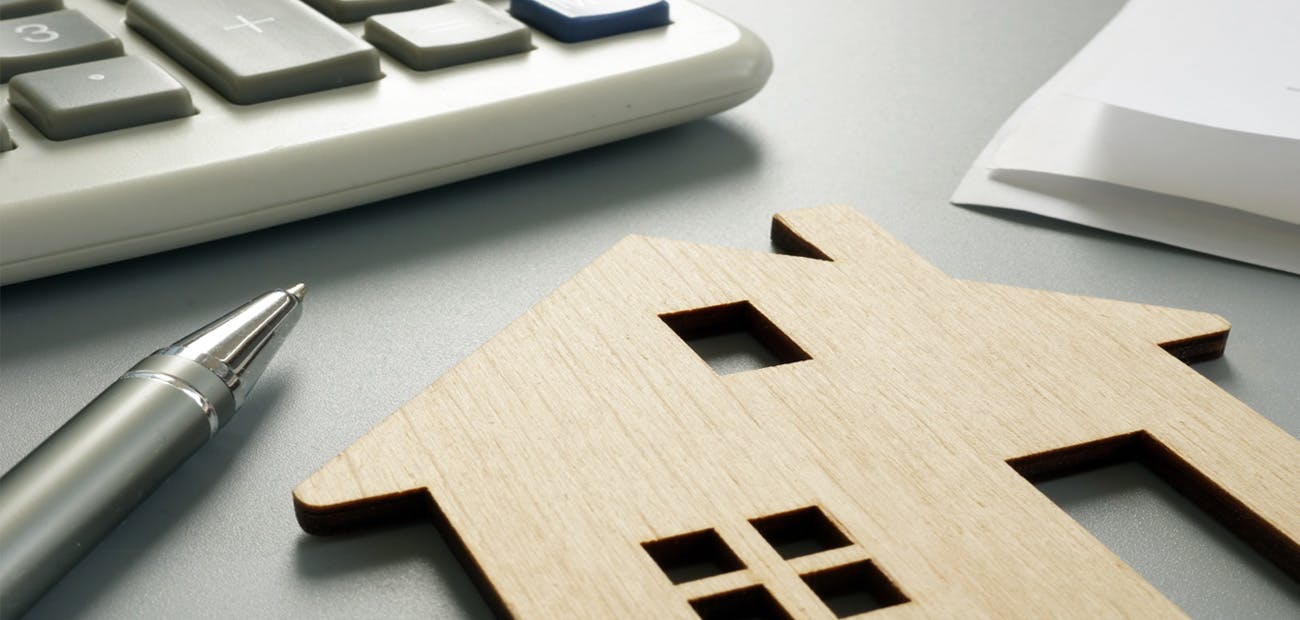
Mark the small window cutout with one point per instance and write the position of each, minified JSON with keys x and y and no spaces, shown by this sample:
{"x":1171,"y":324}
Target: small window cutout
{"x":854,"y":589}
{"x":734,"y":337}
{"x":800,"y":532}
{"x":752,"y":603}
{"x":693,"y":556}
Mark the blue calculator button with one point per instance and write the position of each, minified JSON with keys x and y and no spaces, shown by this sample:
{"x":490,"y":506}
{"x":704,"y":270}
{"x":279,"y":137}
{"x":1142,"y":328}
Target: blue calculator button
{"x":582,"y":20}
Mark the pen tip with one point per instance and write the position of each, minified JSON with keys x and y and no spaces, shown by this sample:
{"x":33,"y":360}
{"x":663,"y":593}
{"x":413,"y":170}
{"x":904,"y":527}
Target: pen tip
{"x":298,"y":290}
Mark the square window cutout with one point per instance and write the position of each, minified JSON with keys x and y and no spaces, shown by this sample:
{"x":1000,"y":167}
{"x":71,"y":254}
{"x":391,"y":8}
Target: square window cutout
{"x":800,"y":532}
{"x":854,"y":589}
{"x":734,"y":337}
{"x":752,"y":603}
{"x":693,"y":556}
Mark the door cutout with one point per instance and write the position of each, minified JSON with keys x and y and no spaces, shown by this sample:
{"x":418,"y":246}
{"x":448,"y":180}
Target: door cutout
{"x":1199,"y":552}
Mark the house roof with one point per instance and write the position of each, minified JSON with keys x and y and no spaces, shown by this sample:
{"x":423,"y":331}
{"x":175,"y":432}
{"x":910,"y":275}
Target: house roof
{"x":557,"y":455}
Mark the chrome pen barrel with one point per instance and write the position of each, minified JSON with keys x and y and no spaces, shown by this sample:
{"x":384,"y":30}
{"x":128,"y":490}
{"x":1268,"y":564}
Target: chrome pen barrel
{"x":84,"y":479}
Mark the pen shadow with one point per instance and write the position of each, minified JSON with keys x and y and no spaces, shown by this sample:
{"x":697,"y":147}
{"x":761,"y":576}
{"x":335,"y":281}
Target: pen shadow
{"x":185,"y":492}
{"x":357,"y":243}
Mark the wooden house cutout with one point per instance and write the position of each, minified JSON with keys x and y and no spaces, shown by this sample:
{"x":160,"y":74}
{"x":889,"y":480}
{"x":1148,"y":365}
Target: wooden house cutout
{"x":588,"y":463}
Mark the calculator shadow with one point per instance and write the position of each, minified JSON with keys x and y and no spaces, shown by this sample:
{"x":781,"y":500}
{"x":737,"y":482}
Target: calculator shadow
{"x":538,"y":197}
{"x":70,"y":309}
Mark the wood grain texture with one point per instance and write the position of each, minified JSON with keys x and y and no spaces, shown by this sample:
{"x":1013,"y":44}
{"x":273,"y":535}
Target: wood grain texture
{"x":589,"y":428}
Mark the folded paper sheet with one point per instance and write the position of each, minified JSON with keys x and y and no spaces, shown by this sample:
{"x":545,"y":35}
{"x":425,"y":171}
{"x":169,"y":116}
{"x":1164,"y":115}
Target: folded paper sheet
{"x":1179,"y":122}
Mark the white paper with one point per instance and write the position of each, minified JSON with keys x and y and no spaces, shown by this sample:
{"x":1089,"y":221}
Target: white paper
{"x":1230,"y":64}
{"x":1157,"y":66}
{"x":1082,"y":138}
{"x":1061,"y":188}
{"x":1198,"y":226}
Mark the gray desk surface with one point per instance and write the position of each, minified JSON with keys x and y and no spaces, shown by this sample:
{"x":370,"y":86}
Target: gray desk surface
{"x":879,"y":104}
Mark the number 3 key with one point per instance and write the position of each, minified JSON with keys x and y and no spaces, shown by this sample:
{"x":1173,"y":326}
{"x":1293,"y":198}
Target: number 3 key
{"x":52,"y":40}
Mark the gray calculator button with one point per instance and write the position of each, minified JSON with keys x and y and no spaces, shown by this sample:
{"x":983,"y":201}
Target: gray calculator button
{"x":93,"y":97}
{"x":50,"y":40}
{"x":255,"y":50}
{"x":6,"y":144}
{"x":357,"y":10}
{"x":450,"y":34}
{"x":20,"y":8}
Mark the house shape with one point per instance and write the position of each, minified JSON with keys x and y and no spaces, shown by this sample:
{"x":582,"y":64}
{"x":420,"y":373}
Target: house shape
{"x":588,"y":463}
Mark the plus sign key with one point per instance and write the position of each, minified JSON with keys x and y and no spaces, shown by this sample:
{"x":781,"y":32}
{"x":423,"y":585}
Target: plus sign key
{"x":255,"y":50}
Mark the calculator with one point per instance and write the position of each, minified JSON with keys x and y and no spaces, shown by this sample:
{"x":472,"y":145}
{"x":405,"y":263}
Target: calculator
{"x":140,"y":126}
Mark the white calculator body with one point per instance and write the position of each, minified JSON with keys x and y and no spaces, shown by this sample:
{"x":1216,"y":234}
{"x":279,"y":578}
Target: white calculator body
{"x":229,"y":168}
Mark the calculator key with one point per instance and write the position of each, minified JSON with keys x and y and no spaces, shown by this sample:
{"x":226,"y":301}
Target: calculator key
{"x":21,"y":8}
{"x":256,"y":50}
{"x":447,"y":35}
{"x":581,"y":20}
{"x":94,"y":97}
{"x":6,"y":143}
{"x":50,"y":40}
{"x":357,"y":10}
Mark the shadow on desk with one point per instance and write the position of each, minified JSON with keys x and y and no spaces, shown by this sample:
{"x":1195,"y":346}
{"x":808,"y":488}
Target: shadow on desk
{"x":334,"y":560}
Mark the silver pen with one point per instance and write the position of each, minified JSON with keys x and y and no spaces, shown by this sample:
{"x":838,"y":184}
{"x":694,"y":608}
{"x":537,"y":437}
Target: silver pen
{"x":77,"y":485}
